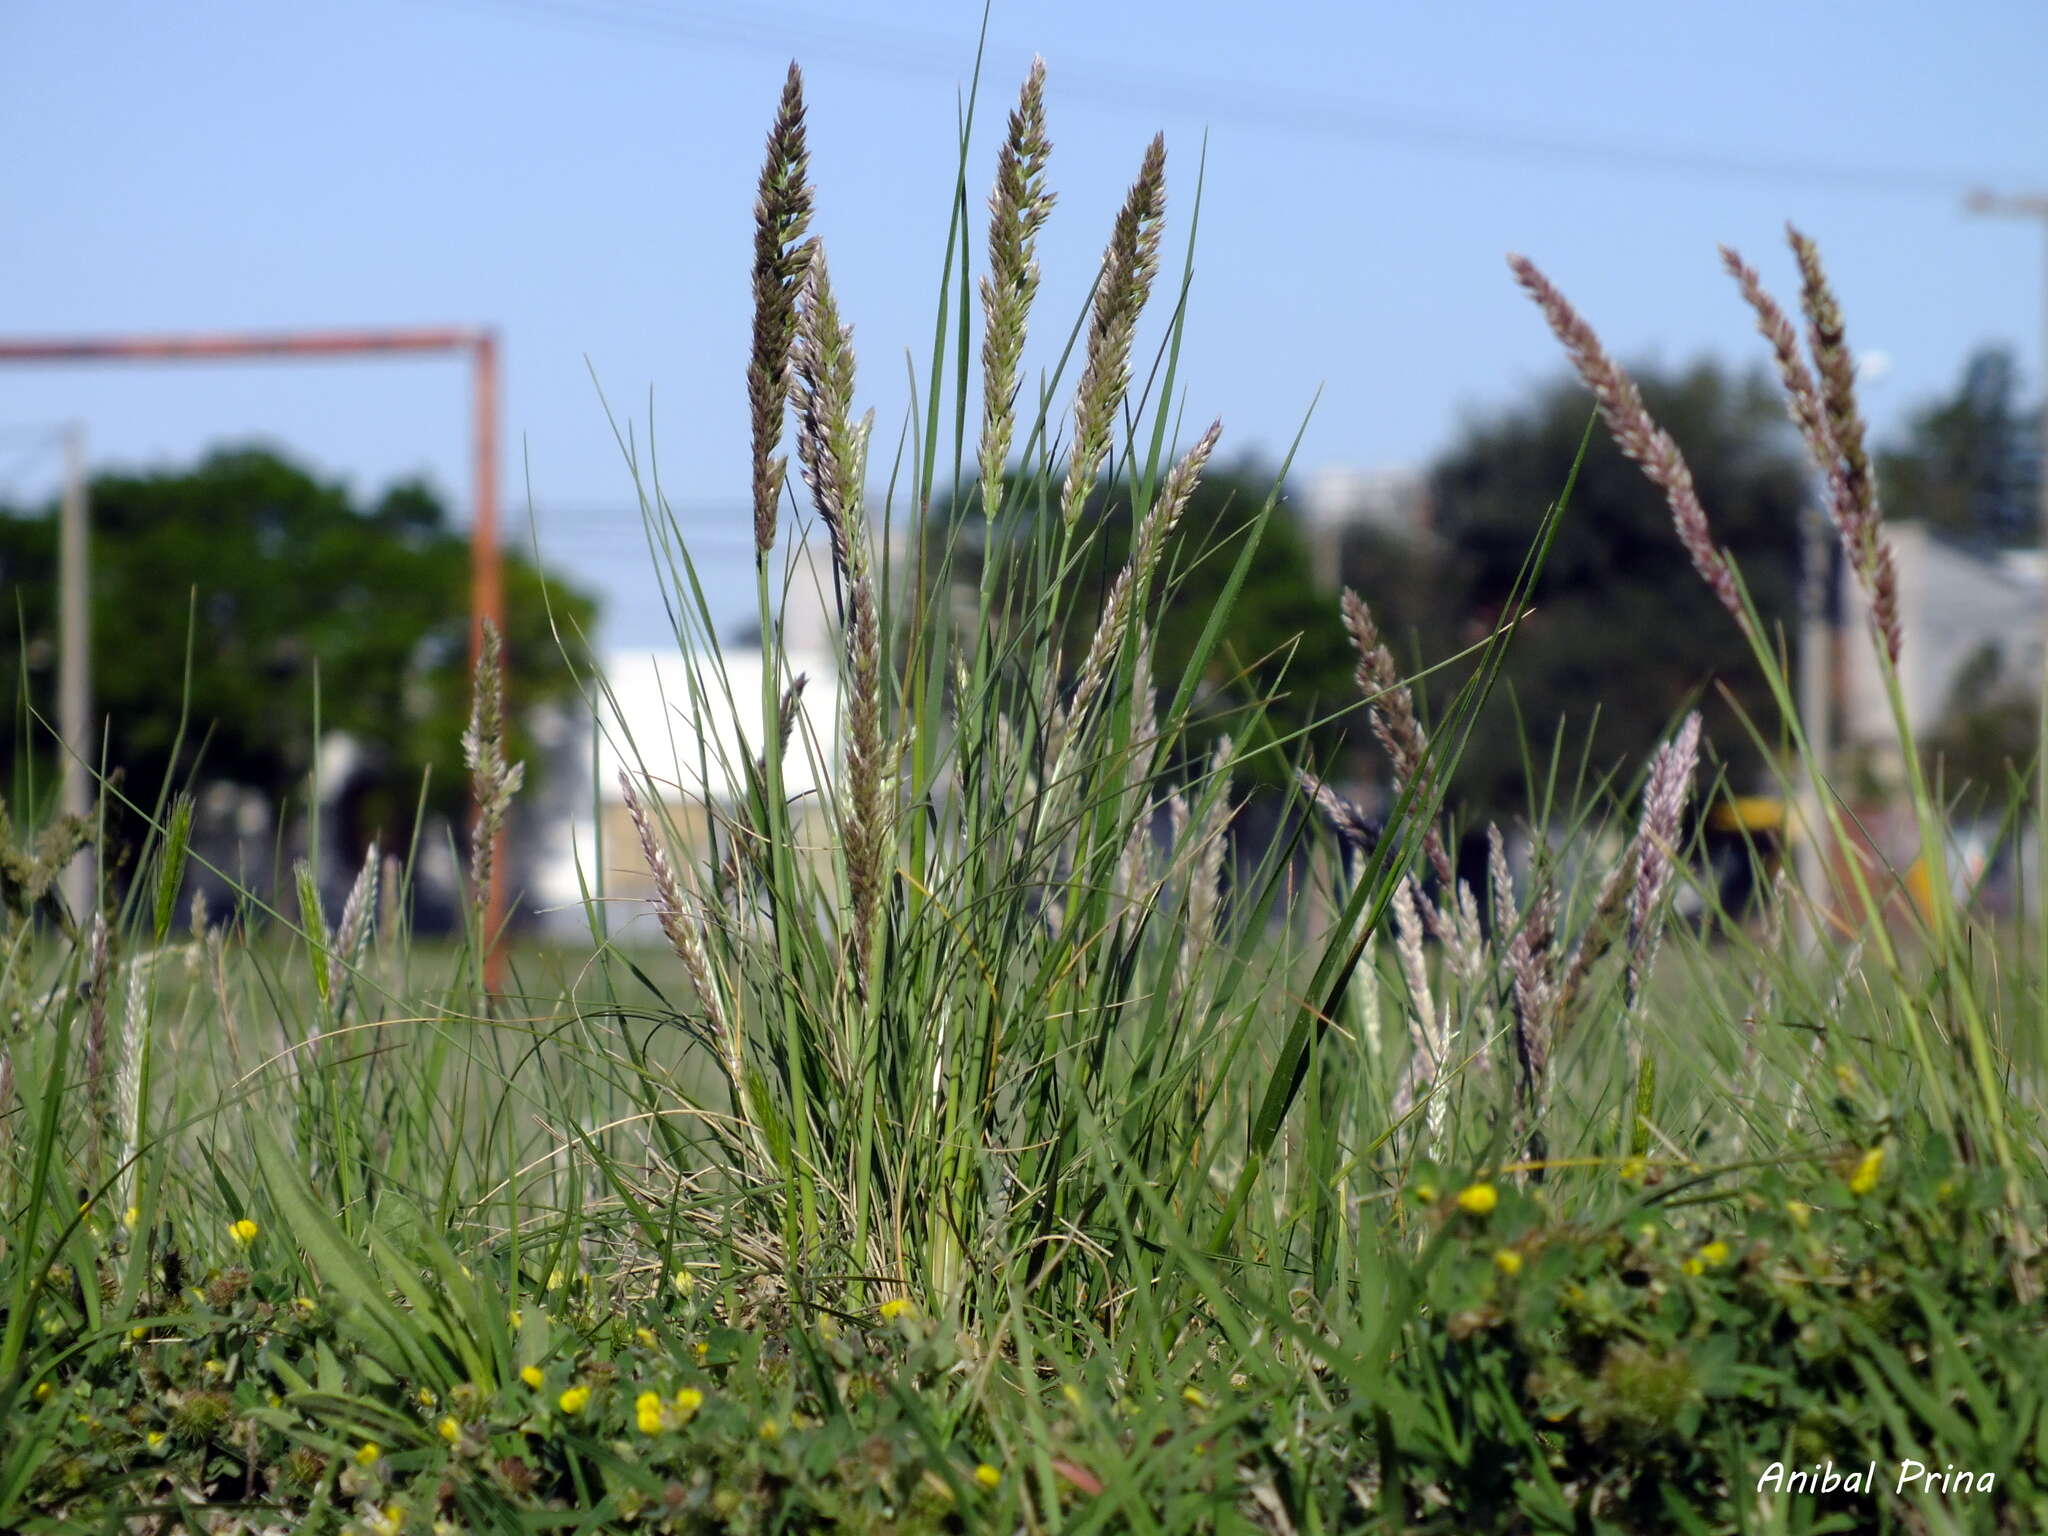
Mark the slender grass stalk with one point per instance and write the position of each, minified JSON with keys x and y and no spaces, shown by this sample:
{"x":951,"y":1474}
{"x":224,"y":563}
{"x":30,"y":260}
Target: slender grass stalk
{"x":1121,"y":293}
{"x":1018,"y":209}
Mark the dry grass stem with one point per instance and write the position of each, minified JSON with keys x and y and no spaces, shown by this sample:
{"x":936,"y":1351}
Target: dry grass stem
{"x":1530,"y":956}
{"x":493,"y":781}
{"x":1859,"y":519}
{"x":1664,"y":798}
{"x":1357,"y":833}
{"x":98,"y":977}
{"x":679,"y":927}
{"x":1018,"y":208}
{"x":782,"y":212}
{"x":128,"y":1080}
{"x":1426,"y":1050}
{"x":1391,"y":706}
{"x":1211,"y":843}
{"x":1602,"y":925}
{"x":1121,"y":290}
{"x":1127,"y":593}
{"x":1638,"y":436}
{"x":1851,"y":502}
{"x":833,"y":451}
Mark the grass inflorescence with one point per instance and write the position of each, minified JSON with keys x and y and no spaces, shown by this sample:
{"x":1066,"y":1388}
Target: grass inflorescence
{"x":1003,"y":1137}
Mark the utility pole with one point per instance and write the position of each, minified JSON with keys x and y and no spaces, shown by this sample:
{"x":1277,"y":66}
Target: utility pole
{"x":2034,"y":206}
{"x":74,"y":665}
{"x":1816,"y":719}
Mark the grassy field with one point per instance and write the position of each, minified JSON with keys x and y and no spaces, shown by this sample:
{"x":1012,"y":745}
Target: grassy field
{"x":1038,"y":1157}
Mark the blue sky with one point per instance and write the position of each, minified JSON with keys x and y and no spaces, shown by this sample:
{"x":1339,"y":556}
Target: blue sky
{"x":579,"y":173}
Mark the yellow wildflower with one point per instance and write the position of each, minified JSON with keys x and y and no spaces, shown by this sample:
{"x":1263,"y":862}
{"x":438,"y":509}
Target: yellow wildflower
{"x":1478,"y":1198}
{"x":450,"y":1430}
{"x":367,"y":1454}
{"x":244,"y":1231}
{"x":987,"y":1475}
{"x":1508,"y":1262}
{"x":1800,"y":1212}
{"x":1714,"y":1253}
{"x":646,"y":1337}
{"x":1193,"y":1396}
{"x":303,"y":1305}
{"x":1426,"y":1193}
{"x":1864,"y":1179}
{"x":573,"y":1400}
{"x":688,"y":1401}
{"x":683,"y":1281}
{"x":131,"y":1216}
{"x":1693,"y":1267}
{"x":1633,"y":1169}
{"x":43,"y":1391}
{"x":531,"y":1376}
{"x":770,"y":1430}
{"x":647,"y":1408}
{"x":154,"y":1439}
{"x":426,"y":1398}
{"x":895,"y":1307}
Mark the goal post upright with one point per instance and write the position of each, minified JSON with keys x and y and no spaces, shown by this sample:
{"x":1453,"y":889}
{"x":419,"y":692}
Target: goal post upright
{"x":479,"y":343}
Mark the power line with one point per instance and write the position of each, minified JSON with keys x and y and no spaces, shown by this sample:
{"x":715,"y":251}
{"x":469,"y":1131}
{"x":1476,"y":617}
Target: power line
{"x":1265,"y":105}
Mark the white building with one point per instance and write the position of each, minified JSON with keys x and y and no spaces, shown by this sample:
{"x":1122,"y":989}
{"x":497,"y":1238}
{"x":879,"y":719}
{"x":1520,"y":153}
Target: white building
{"x":1958,"y":608}
{"x":1338,"y":502}
{"x":689,"y":726}
{"x":1394,"y":500}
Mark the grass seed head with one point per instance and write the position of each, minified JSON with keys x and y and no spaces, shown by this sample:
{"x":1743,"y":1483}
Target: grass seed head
{"x":782,"y":212}
{"x":1121,"y":290}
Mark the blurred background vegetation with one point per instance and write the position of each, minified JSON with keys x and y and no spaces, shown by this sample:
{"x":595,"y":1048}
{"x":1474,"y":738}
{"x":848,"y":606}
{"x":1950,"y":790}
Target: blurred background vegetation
{"x":274,"y":575}
{"x":264,"y":577}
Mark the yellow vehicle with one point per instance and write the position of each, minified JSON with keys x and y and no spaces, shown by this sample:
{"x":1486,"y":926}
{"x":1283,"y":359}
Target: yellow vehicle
{"x":1743,"y":841}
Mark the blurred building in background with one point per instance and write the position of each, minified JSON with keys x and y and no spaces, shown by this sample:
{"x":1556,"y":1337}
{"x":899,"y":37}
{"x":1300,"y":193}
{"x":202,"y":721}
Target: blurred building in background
{"x":1336,"y":504}
{"x":1970,"y":669}
{"x":688,"y":728}
{"x":1969,"y":678}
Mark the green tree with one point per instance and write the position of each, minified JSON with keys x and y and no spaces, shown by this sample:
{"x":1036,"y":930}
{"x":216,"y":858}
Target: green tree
{"x":269,"y":572}
{"x":1623,"y":630}
{"x":1989,"y":728}
{"x":1971,"y":463}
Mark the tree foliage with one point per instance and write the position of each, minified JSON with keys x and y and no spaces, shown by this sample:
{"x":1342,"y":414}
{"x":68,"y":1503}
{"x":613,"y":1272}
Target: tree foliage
{"x":268,"y":575}
{"x":1971,"y":463}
